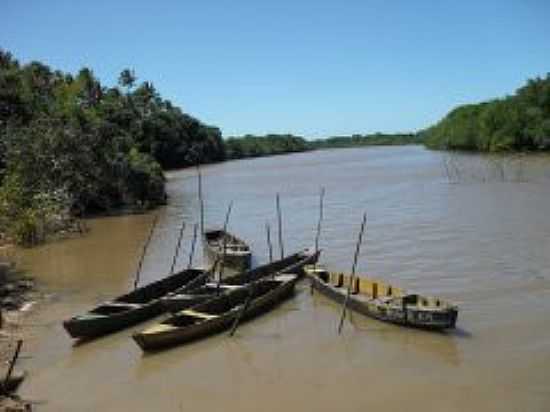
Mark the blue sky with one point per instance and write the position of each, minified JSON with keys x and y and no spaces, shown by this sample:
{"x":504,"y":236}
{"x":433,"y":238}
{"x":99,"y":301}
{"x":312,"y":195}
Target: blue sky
{"x":314,"y":68}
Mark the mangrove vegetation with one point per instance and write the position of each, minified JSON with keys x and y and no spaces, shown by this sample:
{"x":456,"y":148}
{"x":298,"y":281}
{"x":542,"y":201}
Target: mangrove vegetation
{"x":70,"y":145}
{"x":520,"y":122}
{"x":271,"y":144}
{"x":375,"y":139}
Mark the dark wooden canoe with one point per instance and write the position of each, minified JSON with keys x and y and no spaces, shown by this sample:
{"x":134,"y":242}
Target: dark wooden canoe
{"x":291,"y":264}
{"x":131,"y":308}
{"x":217,"y":314}
{"x":237,"y":252}
{"x":383,"y":301}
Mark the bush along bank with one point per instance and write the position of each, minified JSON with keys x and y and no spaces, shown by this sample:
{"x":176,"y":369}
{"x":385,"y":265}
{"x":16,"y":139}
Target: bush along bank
{"x":70,"y":146}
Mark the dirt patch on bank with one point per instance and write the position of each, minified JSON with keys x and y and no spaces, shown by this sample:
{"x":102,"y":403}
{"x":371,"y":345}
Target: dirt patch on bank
{"x":17,"y":297}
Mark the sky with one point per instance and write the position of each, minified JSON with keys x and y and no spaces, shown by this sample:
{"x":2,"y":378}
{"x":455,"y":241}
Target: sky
{"x":312,"y":68}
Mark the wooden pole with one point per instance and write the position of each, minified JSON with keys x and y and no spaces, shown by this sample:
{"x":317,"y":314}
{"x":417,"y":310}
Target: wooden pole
{"x":193,"y":243}
{"x":352,"y":276}
{"x":201,"y":199}
{"x":317,"y":237}
{"x":280,"y":221}
{"x":243,"y":310}
{"x":269,"y":245}
{"x":176,"y":253}
{"x":12,"y":362}
{"x":145,"y":246}
{"x":224,"y":246}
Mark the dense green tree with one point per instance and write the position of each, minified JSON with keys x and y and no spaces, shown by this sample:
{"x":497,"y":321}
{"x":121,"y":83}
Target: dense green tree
{"x":127,"y":79}
{"x":518,"y":122}
{"x":87,"y":147}
{"x":271,"y":144}
{"x":376,"y":139}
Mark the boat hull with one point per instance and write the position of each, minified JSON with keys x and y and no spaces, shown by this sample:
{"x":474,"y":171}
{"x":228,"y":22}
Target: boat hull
{"x":238,"y":258}
{"x":291,"y":264}
{"x":154,"y":342}
{"x":407,"y":316}
{"x":125,"y":310}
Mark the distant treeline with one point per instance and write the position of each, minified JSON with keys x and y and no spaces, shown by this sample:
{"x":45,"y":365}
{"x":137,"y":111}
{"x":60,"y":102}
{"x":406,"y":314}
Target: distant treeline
{"x":518,"y":122}
{"x":271,"y":144}
{"x":376,"y":139}
{"x":70,"y":145}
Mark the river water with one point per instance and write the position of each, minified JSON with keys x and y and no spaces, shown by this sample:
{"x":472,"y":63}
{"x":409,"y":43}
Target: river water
{"x":469,"y":228}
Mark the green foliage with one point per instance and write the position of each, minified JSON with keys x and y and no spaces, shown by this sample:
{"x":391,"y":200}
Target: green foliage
{"x":377,"y":139}
{"x":28,"y":216}
{"x":127,"y":78}
{"x":100,"y":147}
{"x":518,"y":122}
{"x":271,"y":144}
{"x":145,"y":178}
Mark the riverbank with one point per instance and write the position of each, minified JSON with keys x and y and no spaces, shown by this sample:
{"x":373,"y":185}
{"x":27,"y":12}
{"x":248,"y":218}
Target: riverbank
{"x":17,"y":296}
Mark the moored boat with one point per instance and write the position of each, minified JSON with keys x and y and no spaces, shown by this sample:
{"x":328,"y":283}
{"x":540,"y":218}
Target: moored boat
{"x":383,"y":301}
{"x":221,"y":245}
{"x":290,"y":264}
{"x":218,"y":313}
{"x":140,"y":304}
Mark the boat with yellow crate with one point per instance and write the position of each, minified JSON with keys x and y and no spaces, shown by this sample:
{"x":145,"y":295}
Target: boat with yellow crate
{"x":383,"y":301}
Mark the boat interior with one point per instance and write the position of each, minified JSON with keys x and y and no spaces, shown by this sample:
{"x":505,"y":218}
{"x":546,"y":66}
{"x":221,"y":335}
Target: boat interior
{"x":222,"y":304}
{"x":372,"y":289}
{"x":216,"y":239}
{"x":209,"y":289}
{"x":150,"y":292}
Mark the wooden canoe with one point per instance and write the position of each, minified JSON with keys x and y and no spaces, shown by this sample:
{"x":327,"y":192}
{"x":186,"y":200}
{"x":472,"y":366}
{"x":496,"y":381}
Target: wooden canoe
{"x":237,"y":253}
{"x":217,"y":314}
{"x":141,"y":304}
{"x":291,"y":264}
{"x":383,"y":301}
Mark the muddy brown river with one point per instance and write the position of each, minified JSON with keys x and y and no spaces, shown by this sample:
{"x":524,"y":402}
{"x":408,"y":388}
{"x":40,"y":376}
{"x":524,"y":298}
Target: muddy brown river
{"x":473,"y":229}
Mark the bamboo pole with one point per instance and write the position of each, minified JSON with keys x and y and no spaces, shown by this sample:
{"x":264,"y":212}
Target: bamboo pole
{"x":280,"y":222}
{"x":12,"y":362}
{"x":176,"y":253}
{"x":145,"y":246}
{"x":317,"y":237}
{"x":222,"y":267}
{"x":318,"y":234}
{"x":201,"y":199}
{"x":269,"y":245}
{"x":352,"y":276}
{"x":243,"y":310}
{"x":193,"y":243}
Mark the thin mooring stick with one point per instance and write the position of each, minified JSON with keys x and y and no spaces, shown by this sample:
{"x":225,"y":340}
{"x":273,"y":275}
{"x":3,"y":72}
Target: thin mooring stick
{"x":269,"y":245}
{"x":145,"y":246}
{"x":12,"y":362}
{"x":201,"y":200}
{"x":321,"y":199}
{"x":177,"y":252}
{"x":280,"y":221}
{"x":193,"y":243}
{"x":352,"y":277}
{"x":243,"y":310}
{"x":224,"y":246}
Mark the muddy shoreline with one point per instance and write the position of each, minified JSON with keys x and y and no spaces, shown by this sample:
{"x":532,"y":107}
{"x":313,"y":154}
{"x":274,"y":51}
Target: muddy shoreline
{"x":18,"y":296}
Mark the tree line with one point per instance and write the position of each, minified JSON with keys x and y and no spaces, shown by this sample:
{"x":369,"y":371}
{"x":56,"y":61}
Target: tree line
{"x":271,"y":144}
{"x":375,"y":139}
{"x":520,"y":122}
{"x":71,"y":145}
